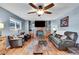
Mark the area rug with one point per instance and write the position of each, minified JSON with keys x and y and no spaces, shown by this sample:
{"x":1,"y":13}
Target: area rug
{"x":30,"y":47}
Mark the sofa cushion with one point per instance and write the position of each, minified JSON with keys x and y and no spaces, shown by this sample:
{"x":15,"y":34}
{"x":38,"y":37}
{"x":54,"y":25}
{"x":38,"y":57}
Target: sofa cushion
{"x":72,"y":36}
{"x":56,"y":40}
{"x":63,"y":37}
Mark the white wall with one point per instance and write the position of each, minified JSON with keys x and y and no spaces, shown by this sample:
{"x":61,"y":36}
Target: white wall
{"x":73,"y":23}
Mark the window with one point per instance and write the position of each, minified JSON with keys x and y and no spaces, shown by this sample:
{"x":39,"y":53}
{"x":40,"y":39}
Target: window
{"x":12,"y":24}
{"x":18,"y":25}
{"x":15,"y":24}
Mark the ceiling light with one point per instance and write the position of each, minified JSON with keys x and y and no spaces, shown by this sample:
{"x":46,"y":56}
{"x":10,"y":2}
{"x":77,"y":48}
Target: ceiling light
{"x":40,"y":12}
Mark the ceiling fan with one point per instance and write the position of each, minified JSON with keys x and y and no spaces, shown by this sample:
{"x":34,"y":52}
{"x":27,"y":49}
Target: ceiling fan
{"x":40,"y":9}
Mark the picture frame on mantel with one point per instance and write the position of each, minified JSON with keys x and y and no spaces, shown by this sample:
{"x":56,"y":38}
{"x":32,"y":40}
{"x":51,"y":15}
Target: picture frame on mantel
{"x":64,"y":22}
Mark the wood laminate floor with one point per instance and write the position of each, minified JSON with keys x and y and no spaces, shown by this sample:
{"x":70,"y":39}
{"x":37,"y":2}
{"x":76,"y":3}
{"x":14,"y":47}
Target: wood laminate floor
{"x":51,"y":50}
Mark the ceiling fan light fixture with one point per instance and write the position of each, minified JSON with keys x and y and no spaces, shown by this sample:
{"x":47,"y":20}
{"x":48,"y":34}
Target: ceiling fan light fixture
{"x":40,"y":9}
{"x":40,"y":12}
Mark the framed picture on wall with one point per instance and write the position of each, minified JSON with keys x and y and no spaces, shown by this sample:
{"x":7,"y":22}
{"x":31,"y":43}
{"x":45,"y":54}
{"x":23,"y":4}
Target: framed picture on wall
{"x":64,"y":22}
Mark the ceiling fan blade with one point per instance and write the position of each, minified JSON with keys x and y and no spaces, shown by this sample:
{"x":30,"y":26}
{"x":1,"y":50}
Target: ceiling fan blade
{"x":47,"y":12}
{"x":31,"y":4}
{"x":31,"y":12}
{"x":48,"y":6}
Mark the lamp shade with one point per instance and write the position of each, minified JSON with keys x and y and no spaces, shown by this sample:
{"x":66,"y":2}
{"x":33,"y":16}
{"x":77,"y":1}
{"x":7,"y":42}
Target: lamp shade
{"x":54,"y":29}
{"x":1,"y":25}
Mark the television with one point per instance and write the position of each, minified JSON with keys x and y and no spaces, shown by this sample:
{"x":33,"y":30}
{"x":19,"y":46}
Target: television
{"x":39,"y":23}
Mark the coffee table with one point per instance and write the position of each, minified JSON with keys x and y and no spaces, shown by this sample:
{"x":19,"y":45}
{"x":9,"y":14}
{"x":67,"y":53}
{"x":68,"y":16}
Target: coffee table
{"x":40,"y":48}
{"x":37,"y":50}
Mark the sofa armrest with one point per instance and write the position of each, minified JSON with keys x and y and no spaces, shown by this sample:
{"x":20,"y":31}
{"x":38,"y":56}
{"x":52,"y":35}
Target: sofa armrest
{"x":67,"y":43}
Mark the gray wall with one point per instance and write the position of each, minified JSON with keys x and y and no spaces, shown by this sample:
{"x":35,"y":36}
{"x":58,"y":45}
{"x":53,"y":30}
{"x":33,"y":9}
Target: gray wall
{"x":5,"y":16}
{"x":27,"y":26}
